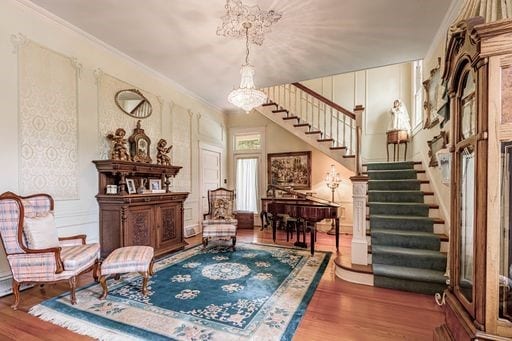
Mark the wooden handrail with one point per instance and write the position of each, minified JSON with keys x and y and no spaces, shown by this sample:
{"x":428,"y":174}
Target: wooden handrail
{"x":325,"y":100}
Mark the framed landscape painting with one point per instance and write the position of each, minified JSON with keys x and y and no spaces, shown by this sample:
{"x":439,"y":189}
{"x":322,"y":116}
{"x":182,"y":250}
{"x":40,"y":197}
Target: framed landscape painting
{"x":290,"y":169}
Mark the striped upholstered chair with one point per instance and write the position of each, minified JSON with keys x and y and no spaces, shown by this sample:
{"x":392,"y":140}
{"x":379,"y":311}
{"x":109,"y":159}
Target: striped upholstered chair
{"x":34,"y":252}
{"x":220,"y":220}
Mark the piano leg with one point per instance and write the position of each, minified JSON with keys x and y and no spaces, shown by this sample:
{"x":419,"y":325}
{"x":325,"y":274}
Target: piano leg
{"x":337,"y":233}
{"x":274,"y":229}
{"x":313,"y":230}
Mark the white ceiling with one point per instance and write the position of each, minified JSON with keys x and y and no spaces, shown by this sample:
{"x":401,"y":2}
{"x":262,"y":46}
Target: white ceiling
{"x":314,"y":38}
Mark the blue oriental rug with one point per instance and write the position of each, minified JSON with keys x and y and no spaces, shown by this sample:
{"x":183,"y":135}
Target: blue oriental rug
{"x":258,"y":292}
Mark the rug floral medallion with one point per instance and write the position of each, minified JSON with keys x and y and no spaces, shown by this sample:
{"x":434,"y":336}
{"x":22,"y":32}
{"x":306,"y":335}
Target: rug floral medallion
{"x":258,"y":292}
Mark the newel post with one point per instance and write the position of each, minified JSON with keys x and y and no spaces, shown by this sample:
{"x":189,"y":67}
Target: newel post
{"x":358,"y":111}
{"x":359,"y":241}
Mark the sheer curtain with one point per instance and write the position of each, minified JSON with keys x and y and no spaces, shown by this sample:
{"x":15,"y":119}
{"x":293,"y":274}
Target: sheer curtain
{"x":247,"y":184}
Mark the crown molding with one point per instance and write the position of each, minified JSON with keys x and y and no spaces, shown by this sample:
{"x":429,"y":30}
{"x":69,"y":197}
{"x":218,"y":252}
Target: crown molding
{"x":52,"y":17}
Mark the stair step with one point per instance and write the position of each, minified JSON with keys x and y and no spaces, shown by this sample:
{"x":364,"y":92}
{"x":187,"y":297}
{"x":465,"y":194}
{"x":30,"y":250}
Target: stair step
{"x":325,"y":140}
{"x":415,"y":274}
{"x":268,"y":104}
{"x":394,"y":174}
{"x":442,"y":236}
{"x":409,"y":223}
{"x":311,"y":132}
{"x":391,"y":165}
{"x":406,"y":239}
{"x":396,"y":196}
{"x":401,"y":209}
{"x":338,"y":148}
{"x":407,"y":184}
{"x":413,"y":258}
{"x":279,"y":110}
{"x":302,"y":125}
{"x":348,"y":156}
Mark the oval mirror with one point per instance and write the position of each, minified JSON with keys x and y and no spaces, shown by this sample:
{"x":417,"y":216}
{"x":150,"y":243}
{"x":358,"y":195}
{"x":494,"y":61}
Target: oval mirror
{"x":133,"y":103}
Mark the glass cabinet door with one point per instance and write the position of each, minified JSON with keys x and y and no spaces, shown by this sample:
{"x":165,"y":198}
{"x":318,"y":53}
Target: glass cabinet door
{"x":466,"y":183}
{"x":505,"y":277}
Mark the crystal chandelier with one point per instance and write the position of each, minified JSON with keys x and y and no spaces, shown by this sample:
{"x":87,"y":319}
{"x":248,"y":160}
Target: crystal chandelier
{"x":250,"y":23}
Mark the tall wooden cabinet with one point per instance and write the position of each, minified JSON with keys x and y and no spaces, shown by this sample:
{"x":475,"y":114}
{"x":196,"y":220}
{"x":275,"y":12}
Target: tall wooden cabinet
{"x":478,"y":76}
{"x":152,"y":219}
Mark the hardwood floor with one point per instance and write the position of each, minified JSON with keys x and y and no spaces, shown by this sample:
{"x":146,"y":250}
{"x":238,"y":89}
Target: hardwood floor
{"x":339,"y":310}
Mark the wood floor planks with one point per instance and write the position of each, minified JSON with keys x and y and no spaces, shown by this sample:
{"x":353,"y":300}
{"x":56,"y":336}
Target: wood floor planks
{"x":339,"y":310}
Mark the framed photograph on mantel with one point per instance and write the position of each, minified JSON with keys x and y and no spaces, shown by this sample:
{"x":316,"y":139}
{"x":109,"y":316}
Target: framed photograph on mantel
{"x":290,"y":169}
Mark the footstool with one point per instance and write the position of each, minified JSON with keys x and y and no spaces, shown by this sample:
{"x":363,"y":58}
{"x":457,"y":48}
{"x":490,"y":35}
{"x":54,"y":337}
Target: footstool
{"x":220,"y":231}
{"x":124,"y":260}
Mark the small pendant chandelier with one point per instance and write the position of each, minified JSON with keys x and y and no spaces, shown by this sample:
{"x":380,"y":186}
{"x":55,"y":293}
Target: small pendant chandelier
{"x":247,"y":96}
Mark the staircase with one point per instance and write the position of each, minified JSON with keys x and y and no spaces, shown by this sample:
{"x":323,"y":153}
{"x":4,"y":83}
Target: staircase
{"x":316,"y":120}
{"x":406,"y":242}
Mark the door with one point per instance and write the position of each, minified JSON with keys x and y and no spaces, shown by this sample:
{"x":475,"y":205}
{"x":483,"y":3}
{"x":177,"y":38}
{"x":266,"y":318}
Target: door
{"x":210,"y":172}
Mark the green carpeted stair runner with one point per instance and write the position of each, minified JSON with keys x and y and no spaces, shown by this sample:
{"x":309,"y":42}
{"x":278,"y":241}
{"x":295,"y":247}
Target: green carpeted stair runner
{"x":405,"y":250}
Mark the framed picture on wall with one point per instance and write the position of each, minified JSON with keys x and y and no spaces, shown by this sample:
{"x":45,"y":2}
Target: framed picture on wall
{"x":433,"y":96}
{"x":290,"y":169}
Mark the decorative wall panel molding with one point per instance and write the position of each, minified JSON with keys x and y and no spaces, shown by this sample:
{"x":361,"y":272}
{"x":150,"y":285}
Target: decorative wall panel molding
{"x":210,"y":128}
{"x":48,"y":120}
{"x":110,"y":117}
{"x":182,"y":147}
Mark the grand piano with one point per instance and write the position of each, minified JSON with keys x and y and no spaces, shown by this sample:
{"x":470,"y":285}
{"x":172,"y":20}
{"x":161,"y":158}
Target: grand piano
{"x":303,"y":207}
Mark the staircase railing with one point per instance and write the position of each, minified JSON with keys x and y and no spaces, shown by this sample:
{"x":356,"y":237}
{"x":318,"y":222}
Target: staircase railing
{"x":333,"y":122}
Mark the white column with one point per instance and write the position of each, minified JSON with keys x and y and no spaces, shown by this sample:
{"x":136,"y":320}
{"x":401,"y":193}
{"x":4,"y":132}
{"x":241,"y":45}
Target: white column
{"x":359,"y":241}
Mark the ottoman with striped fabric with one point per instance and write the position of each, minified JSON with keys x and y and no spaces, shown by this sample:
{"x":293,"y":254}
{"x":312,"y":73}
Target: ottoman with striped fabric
{"x":124,"y":260}
{"x":220,"y":231}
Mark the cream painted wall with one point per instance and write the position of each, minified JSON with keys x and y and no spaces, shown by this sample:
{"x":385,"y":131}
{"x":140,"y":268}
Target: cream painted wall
{"x":279,"y":140}
{"x":419,"y":141}
{"x":376,"y":89}
{"x":180,"y":108}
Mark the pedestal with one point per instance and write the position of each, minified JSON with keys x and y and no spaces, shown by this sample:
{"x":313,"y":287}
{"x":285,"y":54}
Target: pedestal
{"x":359,"y":241}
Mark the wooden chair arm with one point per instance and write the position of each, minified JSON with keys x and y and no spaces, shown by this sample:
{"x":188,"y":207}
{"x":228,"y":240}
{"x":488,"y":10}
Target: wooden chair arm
{"x":55,"y":250}
{"x":78,"y":236}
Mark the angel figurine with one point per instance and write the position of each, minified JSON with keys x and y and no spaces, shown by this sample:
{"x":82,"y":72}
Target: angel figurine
{"x":119,"y":151}
{"x":161,"y":157}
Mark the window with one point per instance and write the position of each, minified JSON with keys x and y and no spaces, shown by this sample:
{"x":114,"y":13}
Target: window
{"x":247,"y":142}
{"x":247,"y":184}
{"x":418,"y":94}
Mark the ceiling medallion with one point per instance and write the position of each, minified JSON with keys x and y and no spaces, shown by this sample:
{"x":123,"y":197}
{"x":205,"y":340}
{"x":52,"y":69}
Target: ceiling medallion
{"x":251,"y":23}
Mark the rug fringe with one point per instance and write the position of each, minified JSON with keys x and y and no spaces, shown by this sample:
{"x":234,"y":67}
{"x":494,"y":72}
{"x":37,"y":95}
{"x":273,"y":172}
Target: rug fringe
{"x":76,"y":325}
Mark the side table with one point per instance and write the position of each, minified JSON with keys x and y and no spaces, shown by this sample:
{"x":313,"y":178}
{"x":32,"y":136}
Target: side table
{"x":396,"y":138}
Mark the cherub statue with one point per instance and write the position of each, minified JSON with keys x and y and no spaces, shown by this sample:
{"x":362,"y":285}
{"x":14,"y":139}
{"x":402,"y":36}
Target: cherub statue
{"x":161,"y":157}
{"x":119,"y":151}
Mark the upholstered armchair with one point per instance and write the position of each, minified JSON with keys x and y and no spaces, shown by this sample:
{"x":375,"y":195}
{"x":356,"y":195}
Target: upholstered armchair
{"x":34,"y":252}
{"x":220,"y":221}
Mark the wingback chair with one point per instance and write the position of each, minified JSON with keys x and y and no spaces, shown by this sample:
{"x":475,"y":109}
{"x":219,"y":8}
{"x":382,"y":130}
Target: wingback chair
{"x":220,"y":220}
{"x":34,"y":252}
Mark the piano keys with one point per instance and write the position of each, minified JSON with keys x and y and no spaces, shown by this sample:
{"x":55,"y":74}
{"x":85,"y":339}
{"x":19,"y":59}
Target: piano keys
{"x":304,"y":207}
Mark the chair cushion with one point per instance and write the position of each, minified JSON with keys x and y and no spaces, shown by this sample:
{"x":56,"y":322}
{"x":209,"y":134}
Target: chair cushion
{"x":219,"y":230}
{"x":75,"y":257}
{"x":231,"y":221}
{"x":128,"y":259}
{"x":41,"y":232}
